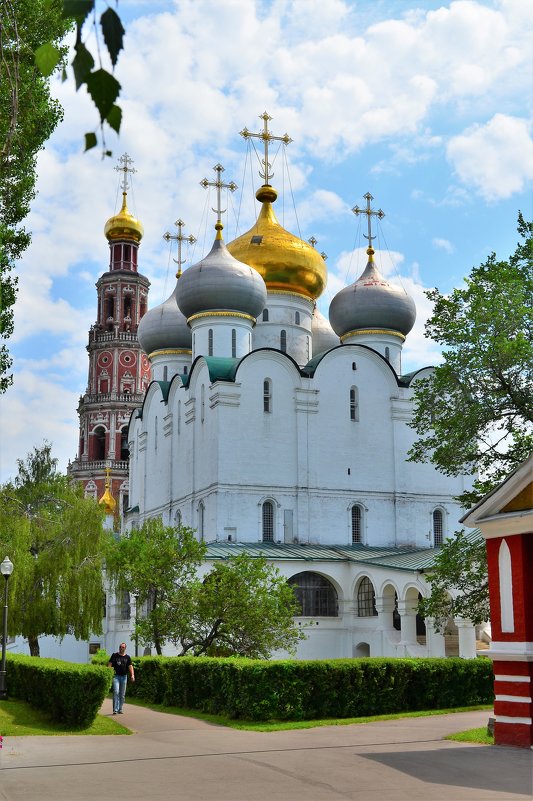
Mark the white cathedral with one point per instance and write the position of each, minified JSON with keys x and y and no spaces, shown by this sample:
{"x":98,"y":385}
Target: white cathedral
{"x":271,"y":431}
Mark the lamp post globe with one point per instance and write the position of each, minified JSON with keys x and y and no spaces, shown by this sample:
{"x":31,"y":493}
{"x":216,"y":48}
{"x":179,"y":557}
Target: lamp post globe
{"x":6,"y":568}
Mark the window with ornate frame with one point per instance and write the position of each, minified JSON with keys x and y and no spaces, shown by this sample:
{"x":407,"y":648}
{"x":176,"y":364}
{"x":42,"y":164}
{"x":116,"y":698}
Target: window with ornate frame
{"x":438,"y":527}
{"x":357,"y":520}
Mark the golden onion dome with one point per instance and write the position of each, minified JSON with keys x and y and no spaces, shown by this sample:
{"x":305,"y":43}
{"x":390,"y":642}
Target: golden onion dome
{"x":123,"y":225}
{"x":286,"y":263}
{"x":107,"y":501}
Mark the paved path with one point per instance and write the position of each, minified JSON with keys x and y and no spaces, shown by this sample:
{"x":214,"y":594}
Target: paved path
{"x":171,"y":758}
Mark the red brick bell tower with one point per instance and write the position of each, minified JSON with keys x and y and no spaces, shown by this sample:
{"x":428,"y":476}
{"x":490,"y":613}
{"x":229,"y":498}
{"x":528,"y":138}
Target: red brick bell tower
{"x":119,"y":371}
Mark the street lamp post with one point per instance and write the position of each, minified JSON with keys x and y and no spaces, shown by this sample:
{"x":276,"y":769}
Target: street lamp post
{"x":6,"y":568}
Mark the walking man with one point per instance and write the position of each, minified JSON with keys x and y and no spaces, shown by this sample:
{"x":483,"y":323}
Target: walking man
{"x":123,"y":666}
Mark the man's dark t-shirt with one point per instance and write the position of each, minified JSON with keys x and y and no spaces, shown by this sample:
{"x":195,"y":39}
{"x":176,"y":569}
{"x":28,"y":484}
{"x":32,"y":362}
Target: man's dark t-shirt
{"x":120,"y":663}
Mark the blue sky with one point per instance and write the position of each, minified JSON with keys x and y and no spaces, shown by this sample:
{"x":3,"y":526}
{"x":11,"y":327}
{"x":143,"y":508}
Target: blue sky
{"x":427,"y":105}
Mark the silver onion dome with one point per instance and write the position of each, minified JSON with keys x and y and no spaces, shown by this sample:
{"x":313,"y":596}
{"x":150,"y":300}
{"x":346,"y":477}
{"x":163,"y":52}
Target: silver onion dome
{"x":372,"y":302}
{"x":221,"y":283}
{"x":323,"y":336}
{"x":164,"y":327}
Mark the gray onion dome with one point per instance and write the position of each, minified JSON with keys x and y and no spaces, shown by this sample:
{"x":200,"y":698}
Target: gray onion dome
{"x":323,"y":336}
{"x":221,"y":283}
{"x":164,"y":327}
{"x":372,"y":302}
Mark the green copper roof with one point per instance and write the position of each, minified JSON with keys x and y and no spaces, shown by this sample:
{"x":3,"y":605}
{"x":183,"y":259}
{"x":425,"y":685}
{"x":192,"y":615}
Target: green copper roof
{"x":220,"y":368}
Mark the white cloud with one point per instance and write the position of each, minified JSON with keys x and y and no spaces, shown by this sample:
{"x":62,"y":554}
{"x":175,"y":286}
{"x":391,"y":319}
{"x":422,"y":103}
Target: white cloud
{"x":443,"y":244}
{"x":496,"y":158}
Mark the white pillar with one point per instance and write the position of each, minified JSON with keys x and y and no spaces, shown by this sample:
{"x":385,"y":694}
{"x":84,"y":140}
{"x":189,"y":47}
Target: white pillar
{"x":435,"y":641}
{"x":467,"y":638}
{"x":407,"y":613}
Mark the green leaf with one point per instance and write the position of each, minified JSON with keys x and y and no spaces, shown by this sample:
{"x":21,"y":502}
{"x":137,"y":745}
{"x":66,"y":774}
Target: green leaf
{"x":114,"y":118}
{"x":113,"y":33}
{"x":47,"y":57}
{"x":78,"y":9}
{"x":104,"y":90}
{"x":90,"y":141}
{"x":82,"y":64}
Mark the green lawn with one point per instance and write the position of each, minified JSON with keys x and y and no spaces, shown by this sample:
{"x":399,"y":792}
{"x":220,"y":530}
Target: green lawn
{"x":18,"y":718}
{"x":473,"y":736}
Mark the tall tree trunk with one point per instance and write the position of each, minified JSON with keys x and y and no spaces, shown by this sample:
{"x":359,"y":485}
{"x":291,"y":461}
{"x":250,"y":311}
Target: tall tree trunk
{"x":33,"y":642}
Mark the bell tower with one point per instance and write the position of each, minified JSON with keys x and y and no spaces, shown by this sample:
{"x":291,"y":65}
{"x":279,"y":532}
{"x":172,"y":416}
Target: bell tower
{"x":119,"y":371}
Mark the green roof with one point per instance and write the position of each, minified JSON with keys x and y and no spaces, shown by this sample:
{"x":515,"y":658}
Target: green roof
{"x":220,"y":368}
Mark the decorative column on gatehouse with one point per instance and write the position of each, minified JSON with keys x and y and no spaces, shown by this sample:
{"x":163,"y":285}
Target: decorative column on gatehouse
{"x":119,"y":372}
{"x":505,"y":517}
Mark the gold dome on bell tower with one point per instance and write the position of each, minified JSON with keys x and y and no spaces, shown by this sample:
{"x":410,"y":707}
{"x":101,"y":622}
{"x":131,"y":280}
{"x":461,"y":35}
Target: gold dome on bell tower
{"x":286,"y":262}
{"x":124,"y":225}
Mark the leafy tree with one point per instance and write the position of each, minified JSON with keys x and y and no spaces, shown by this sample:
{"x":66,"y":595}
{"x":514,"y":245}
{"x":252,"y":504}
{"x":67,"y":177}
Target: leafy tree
{"x":101,"y":85}
{"x":475,"y":412}
{"x":243,"y":607}
{"x":462,"y":564}
{"x":157,"y":564}
{"x":57,"y":543}
{"x":29,"y":116}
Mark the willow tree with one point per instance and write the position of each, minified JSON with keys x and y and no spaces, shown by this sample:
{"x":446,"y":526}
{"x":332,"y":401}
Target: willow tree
{"x":56,"y":541}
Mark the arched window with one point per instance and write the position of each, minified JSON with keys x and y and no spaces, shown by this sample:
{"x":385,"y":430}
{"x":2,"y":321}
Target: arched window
{"x":124,"y":451}
{"x":233,"y":343}
{"x":268,"y":521}
{"x":438,"y":527}
{"x":315,"y":594}
{"x":124,"y":607}
{"x":165,"y":373}
{"x":201,"y":521}
{"x":283,"y":341}
{"x":297,"y":318}
{"x":265,"y":315}
{"x":357,"y":532}
{"x":366,"y":599}
{"x":177,"y":518}
{"x":210,"y":342}
{"x":387,"y":354}
{"x":354,"y":404}
{"x":99,"y":443}
{"x":267,"y":395}
{"x":185,"y":370}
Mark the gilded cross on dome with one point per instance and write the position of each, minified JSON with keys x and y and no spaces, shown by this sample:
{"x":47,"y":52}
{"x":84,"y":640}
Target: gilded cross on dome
{"x":369,"y":213}
{"x":179,"y":238}
{"x":125,"y":161}
{"x":267,"y":137}
{"x":219,"y":185}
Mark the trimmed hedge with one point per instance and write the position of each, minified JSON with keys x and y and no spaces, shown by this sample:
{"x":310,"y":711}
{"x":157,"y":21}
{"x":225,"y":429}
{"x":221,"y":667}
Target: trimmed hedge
{"x":68,"y":692}
{"x":306,"y":690}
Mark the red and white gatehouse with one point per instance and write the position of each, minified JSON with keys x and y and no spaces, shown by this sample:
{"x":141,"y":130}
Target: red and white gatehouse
{"x":505,"y":518}
{"x":119,"y":372}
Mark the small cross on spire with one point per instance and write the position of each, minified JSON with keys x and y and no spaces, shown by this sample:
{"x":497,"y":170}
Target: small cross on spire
{"x":179,"y":238}
{"x":267,"y":137}
{"x":219,"y":185}
{"x":125,"y":161}
{"x":312,"y":241}
{"x":369,"y":213}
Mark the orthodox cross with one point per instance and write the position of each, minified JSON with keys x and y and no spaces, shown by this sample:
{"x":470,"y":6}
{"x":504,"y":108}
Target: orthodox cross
{"x":369,"y":213}
{"x":179,"y":238}
{"x":107,"y":471}
{"x":219,"y":185}
{"x":125,"y":161}
{"x":313,"y":241}
{"x":267,"y":137}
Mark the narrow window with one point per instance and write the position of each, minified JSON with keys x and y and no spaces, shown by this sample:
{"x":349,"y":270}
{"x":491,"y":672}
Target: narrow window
{"x":354,"y":366}
{"x":185,"y":370}
{"x":283,"y":341}
{"x":233,"y":343}
{"x":127,"y":252}
{"x":387,"y":354}
{"x":201,"y":516}
{"x":268,"y":521}
{"x":210,"y":342}
{"x":354,"y":404}
{"x":179,"y":418}
{"x":124,"y":451}
{"x":438,"y":528}
{"x":356,"y":524}
{"x":265,"y":315}
{"x":366,"y":599}
{"x":267,"y":395}
{"x":165,"y":373}
{"x":297,"y":318}
{"x":202,"y":403}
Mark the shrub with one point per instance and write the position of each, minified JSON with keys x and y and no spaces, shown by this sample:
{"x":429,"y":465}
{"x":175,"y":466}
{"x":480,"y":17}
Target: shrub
{"x":306,"y":690}
{"x":68,"y":692}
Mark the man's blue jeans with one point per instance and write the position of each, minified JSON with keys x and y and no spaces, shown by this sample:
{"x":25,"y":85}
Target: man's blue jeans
{"x":119,"y":692}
